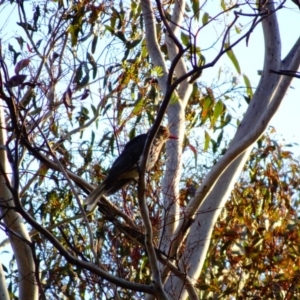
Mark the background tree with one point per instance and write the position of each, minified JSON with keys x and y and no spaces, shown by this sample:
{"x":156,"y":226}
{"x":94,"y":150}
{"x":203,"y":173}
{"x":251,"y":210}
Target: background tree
{"x":78,"y":79}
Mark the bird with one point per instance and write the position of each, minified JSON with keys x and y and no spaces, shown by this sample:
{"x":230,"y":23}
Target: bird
{"x":126,"y":167}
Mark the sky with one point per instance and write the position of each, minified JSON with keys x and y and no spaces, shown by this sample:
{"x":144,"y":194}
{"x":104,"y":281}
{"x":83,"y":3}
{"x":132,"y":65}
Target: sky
{"x":286,"y":121}
{"x":250,"y":58}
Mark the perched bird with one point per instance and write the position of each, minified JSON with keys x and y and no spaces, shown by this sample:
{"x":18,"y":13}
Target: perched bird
{"x":126,"y":167}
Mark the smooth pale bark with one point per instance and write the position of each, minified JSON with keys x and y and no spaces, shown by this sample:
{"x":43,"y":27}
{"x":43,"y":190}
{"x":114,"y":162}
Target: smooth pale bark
{"x":176,"y":118}
{"x":175,"y":113}
{"x":152,"y":43}
{"x":28,"y":289}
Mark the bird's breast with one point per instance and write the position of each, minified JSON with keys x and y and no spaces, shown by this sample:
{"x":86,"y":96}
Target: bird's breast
{"x":152,"y":158}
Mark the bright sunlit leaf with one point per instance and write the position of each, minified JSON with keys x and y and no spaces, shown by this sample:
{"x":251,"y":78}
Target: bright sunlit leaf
{"x":233,"y":58}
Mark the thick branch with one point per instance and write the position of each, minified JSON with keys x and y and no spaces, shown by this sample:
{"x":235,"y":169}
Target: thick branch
{"x":152,"y":43}
{"x":22,"y":251}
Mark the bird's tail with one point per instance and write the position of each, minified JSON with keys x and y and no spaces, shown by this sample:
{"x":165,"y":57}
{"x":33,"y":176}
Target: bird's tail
{"x":94,"y":197}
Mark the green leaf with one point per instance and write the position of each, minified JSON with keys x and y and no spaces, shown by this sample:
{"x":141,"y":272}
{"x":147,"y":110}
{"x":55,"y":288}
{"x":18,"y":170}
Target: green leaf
{"x":91,"y":60}
{"x":132,"y":44}
{"x":237,"y":29}
{"x":157,"y":71}
{"x":223,"y":5}
{"x":49,"y":29}
{"x":93,"y":138}
{"x":26,"y":26}
{"x":42,"y":173}
{"x":11,"y":48}
{"x":94,"y":109}
{"x":83,"y":82}
{"x":16,"y":57}
{"x":111,"y":143}
{"x":248,"y":86}
{"x":144,"y":52}
{"x":226,"y":121}
{"x":206,"y":140}
{"x":233,"y":58}
{"x":196,"y":8}
{"x":82,"y":116}
{"x":74,"y":31}
{"x":214,"y":146}
{"x":206,"y":107}
{"x":218,"y":109}
{"x":78,"y":74}
{"x":174,"y":99}
{"x":121,"y":36}
{"x":220,"y":137}
{"x":139,"y":106}
{"x":132,"y":133}
{"x":110,"y":29}
{"x":16,"y":54}
{"x":20,"y":41}
{"x":36,"y":16}
{"x":94,"y":43}
{"x":31,"y":96}
{"x":219,"y":73}
{"x":38,"y":43}
{"x":133,"y":8}
{"x":205,"y":18}
{"x":185,"y":38}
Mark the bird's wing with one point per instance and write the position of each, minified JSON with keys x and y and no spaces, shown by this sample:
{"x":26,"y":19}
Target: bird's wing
{"x":121,"y":172}
{"x":129,"y":157}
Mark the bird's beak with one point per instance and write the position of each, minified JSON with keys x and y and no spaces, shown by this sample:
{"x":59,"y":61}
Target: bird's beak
{"x":173,"y":137}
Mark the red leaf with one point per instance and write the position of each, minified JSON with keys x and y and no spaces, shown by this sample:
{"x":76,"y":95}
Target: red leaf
{"x":21,"y":65}
{"x":67,"y":98}
{"x":29,"y":49}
